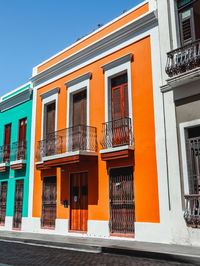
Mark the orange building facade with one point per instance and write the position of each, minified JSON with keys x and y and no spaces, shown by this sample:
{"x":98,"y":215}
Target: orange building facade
{"x":100,"y":167}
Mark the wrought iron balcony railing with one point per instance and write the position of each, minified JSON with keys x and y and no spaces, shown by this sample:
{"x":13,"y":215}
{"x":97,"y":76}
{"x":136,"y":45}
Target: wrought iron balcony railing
{"x":77,"y":138}
{"x":5,"y":154}
{"x":192,"y":212}
{"x":116,"y":133}
{"x":183,"y":59}
{"x":18,"y":151}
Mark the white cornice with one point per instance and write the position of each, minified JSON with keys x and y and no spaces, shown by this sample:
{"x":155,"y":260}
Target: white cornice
{"x":118,"y":61}
{"x":15,"y":100}
{"x":95,"y":32}
{"x":79,"y":79}
{"x":9,"y":94}
{"x":98,"y":47}
{"x":181,"y":79}
{"x":50,"y":93}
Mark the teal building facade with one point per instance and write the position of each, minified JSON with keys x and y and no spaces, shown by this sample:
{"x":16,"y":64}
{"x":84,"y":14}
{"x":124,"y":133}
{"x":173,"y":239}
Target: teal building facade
{"x":15,"y":144}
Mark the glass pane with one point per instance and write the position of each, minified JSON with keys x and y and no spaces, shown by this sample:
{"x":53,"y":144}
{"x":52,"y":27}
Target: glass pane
{"x":183,"y":2}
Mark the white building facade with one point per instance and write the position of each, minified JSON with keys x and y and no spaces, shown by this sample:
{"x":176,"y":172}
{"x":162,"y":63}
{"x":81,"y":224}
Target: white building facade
{"x":179,"y":32}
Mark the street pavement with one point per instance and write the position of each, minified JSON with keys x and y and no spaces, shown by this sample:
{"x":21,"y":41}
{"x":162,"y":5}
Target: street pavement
{"x":12,"y":253}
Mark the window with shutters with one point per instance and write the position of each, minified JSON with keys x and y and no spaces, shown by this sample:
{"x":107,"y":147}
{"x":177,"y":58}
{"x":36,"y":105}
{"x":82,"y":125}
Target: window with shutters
{"x":50,"y":118}
{"x":119,"y":86}
{"x":21,"y":146}
{"x":6,"y":147}
{"x":120,"y":126}
{"x":50,"y":134}
{"x":189,"y":19}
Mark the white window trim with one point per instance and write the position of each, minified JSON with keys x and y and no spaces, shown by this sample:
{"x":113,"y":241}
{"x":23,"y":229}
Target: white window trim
{"x":73,"y":89}
{"x":47,"y":98}
{"x":118,"y":67}
{"x":183,"y":134}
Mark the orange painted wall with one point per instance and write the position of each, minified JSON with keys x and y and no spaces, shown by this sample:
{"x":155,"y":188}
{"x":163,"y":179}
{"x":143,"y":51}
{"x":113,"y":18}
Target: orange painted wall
{"x":145,"y":170}
{"x":115,"y":25}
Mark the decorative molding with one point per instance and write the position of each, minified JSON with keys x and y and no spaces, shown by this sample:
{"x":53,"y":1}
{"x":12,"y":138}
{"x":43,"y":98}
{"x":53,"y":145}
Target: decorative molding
{"x":128,"y":153}
{"x":99,"y":47}
{"x":181,"y":79}
{"x":15,"y":91}
{"x":99,"y":29}
{"x":15,"y":100}
{"x":17,"y":162}
{"x":116,"y":149}
{"x":79,"y":79}
{"x":117,"y":62}
{"x":50,"y":93}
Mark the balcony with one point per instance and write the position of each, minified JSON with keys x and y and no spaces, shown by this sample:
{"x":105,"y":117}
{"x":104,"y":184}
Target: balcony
{"x":116,"y":139}
{"x":183,"y":59}
{"x":4,"y":157}
{"x":192,"y":212}
{"x":70,"y":145}
{"x":18,"y":155}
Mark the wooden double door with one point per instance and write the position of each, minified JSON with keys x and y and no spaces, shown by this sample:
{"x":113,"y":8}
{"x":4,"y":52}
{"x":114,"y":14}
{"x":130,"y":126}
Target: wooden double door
{"x":78,"y":201}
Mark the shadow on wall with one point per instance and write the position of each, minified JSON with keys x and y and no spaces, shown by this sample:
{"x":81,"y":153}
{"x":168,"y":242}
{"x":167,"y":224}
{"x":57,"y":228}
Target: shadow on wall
{"x":20,"y":173}
{"x":5,"y":175}
{"x":124,"y":162}
{"x":92,"y":168}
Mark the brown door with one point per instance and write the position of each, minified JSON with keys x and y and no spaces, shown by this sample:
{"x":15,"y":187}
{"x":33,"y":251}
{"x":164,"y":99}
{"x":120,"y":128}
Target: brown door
{"x":78,"y":201}
{"x":6,"y":148}
{"x":49,"y":202}
{"x":122,"y":205}
{"x":79,"y":130}
{"x":19,"y":189}
{"x":50,"y":142}
{"x":120,"y":111}
{"x":21,"y":147}
{"x":3,"y":200}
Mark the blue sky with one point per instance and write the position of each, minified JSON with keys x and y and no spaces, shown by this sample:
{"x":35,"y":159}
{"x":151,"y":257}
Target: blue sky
{"x":33,"y":31}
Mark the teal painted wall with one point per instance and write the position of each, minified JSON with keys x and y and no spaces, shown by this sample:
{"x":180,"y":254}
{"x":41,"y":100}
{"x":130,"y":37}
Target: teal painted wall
{"x":13,"y":116}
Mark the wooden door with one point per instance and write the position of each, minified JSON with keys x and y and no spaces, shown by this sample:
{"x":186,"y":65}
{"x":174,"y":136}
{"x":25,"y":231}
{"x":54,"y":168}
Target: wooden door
{"x":50,"y":142}
{"x":79,"y":131}
{"x":19,"y":191}
{"x":6,"y":148}
{"x":120,"y":111}
{"x":3,"y":200}
{"x":21,"y":147}
{"x":49,"y":197}
{"x":78,"y":202}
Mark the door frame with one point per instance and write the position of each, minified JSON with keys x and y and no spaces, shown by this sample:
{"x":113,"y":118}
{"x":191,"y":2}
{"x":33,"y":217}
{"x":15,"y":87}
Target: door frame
{"x":69,"y":224}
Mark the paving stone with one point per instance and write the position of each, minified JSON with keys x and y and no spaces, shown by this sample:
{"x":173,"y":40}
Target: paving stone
{"x":24,"y":254}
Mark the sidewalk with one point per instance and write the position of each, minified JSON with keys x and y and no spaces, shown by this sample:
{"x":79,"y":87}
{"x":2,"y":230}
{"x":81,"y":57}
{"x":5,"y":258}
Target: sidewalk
{"x":186,"y":254}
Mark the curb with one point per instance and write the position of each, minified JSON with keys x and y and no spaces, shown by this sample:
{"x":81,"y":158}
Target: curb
{"x":117,"y":250}
{"x":72,"y":246}
{"x":195,"y":260}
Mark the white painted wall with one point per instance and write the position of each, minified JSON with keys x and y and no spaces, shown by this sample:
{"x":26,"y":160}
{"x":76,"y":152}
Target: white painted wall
{"x":169,"y":40}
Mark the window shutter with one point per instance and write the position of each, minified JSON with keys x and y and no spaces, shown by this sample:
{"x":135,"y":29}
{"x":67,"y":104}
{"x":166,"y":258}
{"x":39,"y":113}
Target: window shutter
{"x":126,"y":107}
{"x":50,"y":123}
{"x":80,"y":108}
{"x":116,"y":103}
{"x":84,"y":109}
{"x":22,"y":130}
{"x":7,"y":134}
{"x":187,"y":26}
